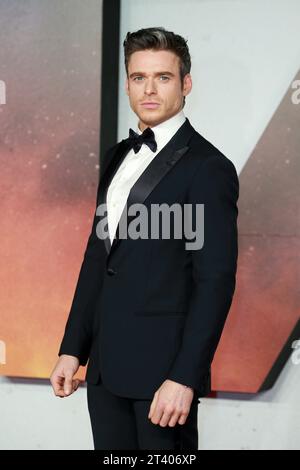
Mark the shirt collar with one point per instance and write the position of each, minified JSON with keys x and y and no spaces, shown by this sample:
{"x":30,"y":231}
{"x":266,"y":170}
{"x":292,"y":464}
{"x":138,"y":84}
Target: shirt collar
{"x":163,"y":130}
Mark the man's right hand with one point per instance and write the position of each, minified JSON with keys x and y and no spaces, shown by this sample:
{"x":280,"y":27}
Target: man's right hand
{"x":62,"y":375}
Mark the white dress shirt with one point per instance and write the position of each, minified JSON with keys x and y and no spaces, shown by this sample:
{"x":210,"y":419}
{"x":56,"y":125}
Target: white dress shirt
{"x":133,"y":165}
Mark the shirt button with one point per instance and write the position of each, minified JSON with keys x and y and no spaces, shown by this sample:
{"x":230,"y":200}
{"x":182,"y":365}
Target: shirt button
{"x":111,"y":271}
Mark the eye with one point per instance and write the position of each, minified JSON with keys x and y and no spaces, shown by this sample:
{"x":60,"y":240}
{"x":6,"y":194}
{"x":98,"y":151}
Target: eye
{"x":161,"y":76}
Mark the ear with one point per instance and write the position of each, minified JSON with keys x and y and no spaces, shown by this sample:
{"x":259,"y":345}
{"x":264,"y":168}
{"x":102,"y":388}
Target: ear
{"x":127,"y":86}
{"x":187,"y":84}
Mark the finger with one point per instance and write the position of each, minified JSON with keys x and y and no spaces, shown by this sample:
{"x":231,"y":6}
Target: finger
{"x":183,"y":418}
{"x":165,"y":418}
{"x":153,"y":405}
{"x":60,"y":391}
{"x":68,"y":384}
{"x":57,"y":385}
{"x":173,"y":420}
{"x":76,"y":384}
{"x":159,"y":411}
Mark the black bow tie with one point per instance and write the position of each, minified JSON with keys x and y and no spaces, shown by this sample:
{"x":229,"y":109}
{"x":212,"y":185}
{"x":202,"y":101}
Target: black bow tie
{"x":137,"y":140}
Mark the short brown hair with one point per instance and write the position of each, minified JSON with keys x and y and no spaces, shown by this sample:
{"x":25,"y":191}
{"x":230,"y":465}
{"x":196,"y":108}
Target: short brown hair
{"x":158,"y":39}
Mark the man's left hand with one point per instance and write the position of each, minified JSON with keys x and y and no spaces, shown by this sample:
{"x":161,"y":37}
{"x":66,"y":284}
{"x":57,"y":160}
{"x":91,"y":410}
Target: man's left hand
{"x":171,"y":404}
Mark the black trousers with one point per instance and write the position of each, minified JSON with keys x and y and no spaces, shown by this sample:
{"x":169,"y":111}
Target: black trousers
{"x":120,"y":423}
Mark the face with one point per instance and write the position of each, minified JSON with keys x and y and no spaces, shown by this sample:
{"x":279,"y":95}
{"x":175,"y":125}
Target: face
{"x":154,"y":86}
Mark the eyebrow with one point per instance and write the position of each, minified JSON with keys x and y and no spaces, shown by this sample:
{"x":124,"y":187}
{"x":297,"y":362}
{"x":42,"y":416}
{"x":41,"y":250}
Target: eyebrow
{"x":157,"y":73}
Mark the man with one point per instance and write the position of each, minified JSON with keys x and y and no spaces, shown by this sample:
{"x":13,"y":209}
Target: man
{"x":147,"y":312}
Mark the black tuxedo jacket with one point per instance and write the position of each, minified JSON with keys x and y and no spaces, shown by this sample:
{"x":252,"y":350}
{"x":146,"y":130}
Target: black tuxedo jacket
{"x":147,"y":310}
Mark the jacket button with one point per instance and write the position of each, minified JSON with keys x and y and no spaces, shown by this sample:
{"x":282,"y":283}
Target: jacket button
{"x":111,"y":271}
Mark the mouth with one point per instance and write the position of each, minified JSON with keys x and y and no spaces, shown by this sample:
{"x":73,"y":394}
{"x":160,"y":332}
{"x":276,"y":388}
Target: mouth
{"x":150,"y":105}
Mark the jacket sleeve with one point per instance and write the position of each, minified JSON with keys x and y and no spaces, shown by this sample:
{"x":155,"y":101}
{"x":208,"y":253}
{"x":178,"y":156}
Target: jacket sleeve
{"x":78,"y":333}
{"x":216,"y":185}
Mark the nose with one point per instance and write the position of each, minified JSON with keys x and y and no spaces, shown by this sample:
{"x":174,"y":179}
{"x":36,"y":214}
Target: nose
{"x":150,"y":87}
